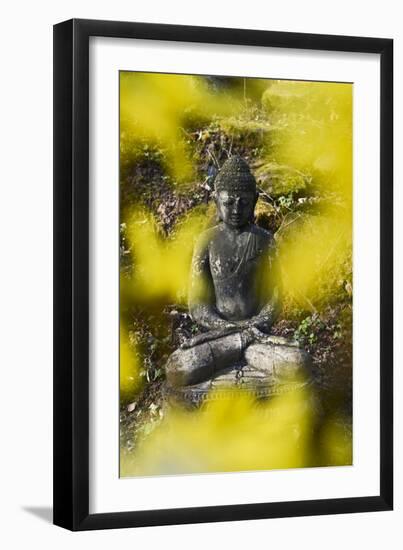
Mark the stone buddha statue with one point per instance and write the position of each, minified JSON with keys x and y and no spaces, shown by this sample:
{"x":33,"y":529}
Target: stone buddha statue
{"x":234,"y":298}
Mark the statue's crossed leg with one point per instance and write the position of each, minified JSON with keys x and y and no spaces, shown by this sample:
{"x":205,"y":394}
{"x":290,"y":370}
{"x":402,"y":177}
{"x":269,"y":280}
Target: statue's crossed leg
{"x":270,"y":359}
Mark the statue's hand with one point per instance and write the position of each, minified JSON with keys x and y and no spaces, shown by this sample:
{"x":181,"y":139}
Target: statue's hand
{"x":258,"y":334}
{"x":252,"y":334}
{"x":253,"y":322}
{"x":244,"y":324}
{"x":201,"y":338}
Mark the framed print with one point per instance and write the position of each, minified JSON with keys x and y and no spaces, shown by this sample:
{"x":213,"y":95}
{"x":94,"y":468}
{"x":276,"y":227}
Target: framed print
{"x":223,"y":320}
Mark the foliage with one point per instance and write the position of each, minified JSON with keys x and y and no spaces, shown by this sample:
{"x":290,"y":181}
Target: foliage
{"x":176,"y":131}
{"x":238,"y":434}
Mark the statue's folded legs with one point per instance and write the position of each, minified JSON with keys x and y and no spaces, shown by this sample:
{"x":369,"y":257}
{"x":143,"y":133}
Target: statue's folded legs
{"x":275,"y":358}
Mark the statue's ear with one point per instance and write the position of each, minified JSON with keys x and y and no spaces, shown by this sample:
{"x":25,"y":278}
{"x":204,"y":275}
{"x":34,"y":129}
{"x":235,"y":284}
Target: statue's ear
{"x":215,"y":199}
{"x":253,"y":217}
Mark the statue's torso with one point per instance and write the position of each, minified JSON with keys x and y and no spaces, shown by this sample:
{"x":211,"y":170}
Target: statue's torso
{"x":238,"y":266}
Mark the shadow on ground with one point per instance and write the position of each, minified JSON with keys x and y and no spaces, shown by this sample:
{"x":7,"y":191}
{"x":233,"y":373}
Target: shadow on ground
{"x":44,"y":513}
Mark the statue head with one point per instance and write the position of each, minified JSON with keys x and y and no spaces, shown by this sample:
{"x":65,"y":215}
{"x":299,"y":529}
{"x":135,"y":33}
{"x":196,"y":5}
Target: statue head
{"x":235,"y":193}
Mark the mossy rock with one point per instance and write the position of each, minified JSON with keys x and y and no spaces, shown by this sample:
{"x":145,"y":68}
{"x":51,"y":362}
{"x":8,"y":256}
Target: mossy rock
{"x":279,"y":179}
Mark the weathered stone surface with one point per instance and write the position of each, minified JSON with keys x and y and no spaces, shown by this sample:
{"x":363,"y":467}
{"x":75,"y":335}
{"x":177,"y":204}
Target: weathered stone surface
{"x":267,"y":369}
{"x":234,"y":297}
{"x":282,"y":362}
{"x":240,"y":378}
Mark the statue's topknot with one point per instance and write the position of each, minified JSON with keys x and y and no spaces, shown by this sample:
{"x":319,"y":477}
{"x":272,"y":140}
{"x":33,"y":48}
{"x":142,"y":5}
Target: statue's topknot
{"x":235,"y":175}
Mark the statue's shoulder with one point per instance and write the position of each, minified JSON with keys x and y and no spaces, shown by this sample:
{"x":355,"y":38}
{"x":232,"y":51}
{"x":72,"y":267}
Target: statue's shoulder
{"x":263,"y":237}
{"x":207,"y":236}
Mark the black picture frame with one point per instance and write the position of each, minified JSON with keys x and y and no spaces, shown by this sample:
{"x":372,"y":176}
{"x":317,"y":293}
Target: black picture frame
{"x":71,"y":274}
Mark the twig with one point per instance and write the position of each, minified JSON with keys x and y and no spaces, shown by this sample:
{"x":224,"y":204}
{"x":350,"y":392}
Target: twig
{"x":335,"y":244}
{"x":212,"y":155}
{"x":282,"y":226}
{"x":264,"y":194}
{"x":230,"y":147}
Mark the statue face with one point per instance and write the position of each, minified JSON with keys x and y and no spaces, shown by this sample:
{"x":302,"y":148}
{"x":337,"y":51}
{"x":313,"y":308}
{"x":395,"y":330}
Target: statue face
{"x":236,"y":208}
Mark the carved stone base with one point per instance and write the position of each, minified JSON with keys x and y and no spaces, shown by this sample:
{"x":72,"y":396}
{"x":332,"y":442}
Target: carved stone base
{"x":240,"y":378}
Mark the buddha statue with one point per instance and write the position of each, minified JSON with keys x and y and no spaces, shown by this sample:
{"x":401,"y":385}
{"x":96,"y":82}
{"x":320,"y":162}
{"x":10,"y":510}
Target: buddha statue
{"x":234,"y":297}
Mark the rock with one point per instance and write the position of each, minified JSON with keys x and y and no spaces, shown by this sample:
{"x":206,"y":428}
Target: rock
{"x":279,"y":179}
